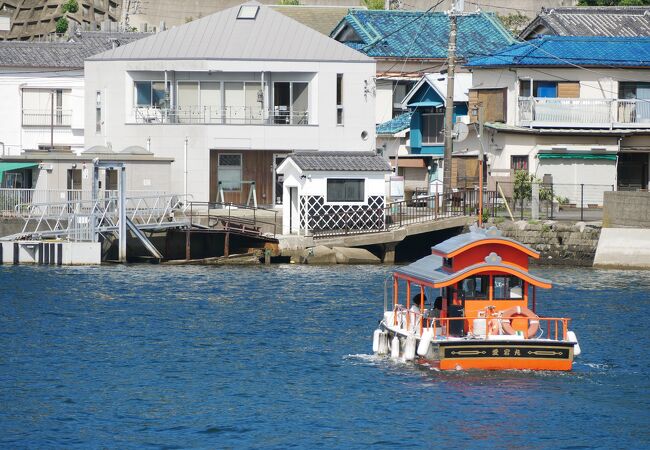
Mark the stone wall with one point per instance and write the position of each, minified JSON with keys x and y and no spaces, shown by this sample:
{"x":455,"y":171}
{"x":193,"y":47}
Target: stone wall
{"x":622,"y":209}
{"x":559,"y":243}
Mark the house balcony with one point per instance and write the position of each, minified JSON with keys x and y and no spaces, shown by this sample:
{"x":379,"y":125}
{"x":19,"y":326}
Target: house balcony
{"x":209,"y":115}
{"x":47,"y":117}
{"x":583,"y":113}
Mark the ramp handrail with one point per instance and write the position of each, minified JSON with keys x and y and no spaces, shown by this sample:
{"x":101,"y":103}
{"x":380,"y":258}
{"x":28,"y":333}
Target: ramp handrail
{"x":82,"y":220}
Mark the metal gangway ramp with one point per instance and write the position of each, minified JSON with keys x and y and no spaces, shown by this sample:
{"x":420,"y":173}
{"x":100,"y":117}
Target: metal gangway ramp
{"x":87,"y":220}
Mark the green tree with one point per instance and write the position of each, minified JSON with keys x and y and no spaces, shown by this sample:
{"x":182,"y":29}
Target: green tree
{"x":290,"y":2}
{"x":523,"y":189}
{"x":373,"y":4}
{"x":71,"y":6}
{"x":62,"y":25}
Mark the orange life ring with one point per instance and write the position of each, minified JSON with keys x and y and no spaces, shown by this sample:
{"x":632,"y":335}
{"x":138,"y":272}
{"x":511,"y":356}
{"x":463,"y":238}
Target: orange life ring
{"x":520,"y":311}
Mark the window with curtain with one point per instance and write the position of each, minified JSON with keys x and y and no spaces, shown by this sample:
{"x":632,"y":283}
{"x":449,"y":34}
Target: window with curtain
{"x":211,"y":100}
{"x":519,"y":162}
{"x":253,"y":99}
{"x":229,"y":171}
{"x":234,"y":100}
{"x":345,"y":190}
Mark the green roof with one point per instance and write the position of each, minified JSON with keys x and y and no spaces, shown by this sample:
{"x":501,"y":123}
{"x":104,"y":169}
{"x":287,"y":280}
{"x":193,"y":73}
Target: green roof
{"x":418,"y":34}
{"x":577,"y":155}
{"x":396,"y":124}
{"x":8,"y":166}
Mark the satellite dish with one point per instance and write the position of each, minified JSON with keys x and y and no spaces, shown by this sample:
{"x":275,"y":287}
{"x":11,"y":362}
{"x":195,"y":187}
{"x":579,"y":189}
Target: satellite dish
{"x":460,"y":132}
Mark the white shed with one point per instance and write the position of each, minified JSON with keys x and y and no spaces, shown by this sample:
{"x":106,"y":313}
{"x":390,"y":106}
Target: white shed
{"x":333,"y":191}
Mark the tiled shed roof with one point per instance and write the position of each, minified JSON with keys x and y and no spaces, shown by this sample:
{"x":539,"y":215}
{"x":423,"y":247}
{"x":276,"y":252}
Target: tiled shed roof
{"x":340,"y":161}
{"x":61,"y":55}
{"x":396,"y":124}
{"x":567,"y":51}
{"x":320,"y":18}
{"x":590,"y":21}
{"x":416,"y":34}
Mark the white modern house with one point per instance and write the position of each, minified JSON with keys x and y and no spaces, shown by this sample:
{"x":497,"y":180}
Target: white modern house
{"x":570,"y":110}
{"x":228,"y":97}
{"x":333,"y":191}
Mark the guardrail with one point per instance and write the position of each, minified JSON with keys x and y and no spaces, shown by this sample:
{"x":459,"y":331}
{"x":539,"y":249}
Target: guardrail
{"x":396,"y":214}
{"x":219,"y":215}
{"x":214,"y":115}
{"x":84,"y":220}
{"x":11,"y":197}
{"x":570,"y":112}
{"x":410,"y":321}
{"x":46,"y":117}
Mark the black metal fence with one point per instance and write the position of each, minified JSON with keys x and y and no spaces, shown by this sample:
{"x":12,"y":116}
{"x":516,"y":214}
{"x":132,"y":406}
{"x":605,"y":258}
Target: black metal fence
{"x":398,"y":214}
{"x":555,"y":201}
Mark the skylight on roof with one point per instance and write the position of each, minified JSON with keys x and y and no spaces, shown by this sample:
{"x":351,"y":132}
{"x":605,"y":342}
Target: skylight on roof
{"x":248,"y":12}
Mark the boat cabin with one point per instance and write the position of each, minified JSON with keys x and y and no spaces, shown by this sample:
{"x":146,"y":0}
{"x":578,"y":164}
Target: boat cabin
{"x":472,"y":276}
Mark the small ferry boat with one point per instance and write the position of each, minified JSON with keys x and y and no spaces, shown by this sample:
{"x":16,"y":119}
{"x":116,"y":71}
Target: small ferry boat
{"x":471,"y":304}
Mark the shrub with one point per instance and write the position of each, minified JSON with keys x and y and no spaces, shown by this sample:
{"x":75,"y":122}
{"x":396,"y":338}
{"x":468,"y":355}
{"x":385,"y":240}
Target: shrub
{"x":62,"y":25}
{"x":71,"y":6}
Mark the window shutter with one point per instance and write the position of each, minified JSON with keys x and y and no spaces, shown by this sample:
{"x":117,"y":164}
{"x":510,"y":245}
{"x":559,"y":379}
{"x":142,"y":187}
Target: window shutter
{"x":570,"y":89}
{"x":493,"y":102}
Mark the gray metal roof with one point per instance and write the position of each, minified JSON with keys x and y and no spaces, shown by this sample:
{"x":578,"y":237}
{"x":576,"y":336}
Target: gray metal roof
{"x":429,"y":269}
{"x":340,"y":161}
{"x":61,"y":55}
{"x":591,"y":21}
{"x":476,"y":234}
{"x":221,"y":36}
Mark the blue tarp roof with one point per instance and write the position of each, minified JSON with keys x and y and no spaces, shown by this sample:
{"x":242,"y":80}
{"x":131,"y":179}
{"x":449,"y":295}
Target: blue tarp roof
{"x":572,"y":50}
{"x":396,"y":124}
{"x":415,"y":34}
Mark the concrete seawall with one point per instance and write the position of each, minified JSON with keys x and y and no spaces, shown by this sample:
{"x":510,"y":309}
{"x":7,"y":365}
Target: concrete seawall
{"x":559,"y":243}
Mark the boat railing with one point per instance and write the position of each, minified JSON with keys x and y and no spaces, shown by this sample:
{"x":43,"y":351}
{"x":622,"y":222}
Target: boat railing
{"x":554,"y":328}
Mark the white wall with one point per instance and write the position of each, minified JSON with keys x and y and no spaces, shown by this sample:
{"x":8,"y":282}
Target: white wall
{"x":597,"y":84}
{"x":13,"y":134}
{"x":113,"y":79}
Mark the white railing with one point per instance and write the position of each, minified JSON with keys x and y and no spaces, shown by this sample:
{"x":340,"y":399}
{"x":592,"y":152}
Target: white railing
{"x":577,"y":112}
{"x":10,"y":198}
{"x":46,"y":117}
{"x":215,"y":115}
{"x":84,"y":220}
{"x":565,"y":112}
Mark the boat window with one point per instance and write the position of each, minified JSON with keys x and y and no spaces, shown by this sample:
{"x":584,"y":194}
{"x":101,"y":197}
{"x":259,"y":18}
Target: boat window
{"x":447,"y":262}
{"x":474,"y":287}
{"x":508,"y":288}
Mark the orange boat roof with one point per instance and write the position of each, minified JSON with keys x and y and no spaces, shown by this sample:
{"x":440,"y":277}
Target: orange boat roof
{"x":429,"y":270}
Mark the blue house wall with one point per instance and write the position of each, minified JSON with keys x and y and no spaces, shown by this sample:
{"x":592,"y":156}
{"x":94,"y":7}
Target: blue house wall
{"x":427,"y":94}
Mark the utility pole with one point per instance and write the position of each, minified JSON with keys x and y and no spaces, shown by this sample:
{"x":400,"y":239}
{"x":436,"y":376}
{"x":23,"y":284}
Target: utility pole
{"x":481,"y":158}
{"x":449,"y":106}
{"x":52,"y":120}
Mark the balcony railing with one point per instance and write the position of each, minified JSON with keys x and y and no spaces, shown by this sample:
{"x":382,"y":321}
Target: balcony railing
{"x":588,"y":113}
{"x":231,"y":115}
{"x":46,"y":117}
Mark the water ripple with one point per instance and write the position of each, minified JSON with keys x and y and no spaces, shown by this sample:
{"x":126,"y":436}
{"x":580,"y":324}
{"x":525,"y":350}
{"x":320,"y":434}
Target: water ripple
{"x":177,"y":357}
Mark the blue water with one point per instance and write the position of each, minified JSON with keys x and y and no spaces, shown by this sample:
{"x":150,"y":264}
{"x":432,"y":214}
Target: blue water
{"x":206,"y":357}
